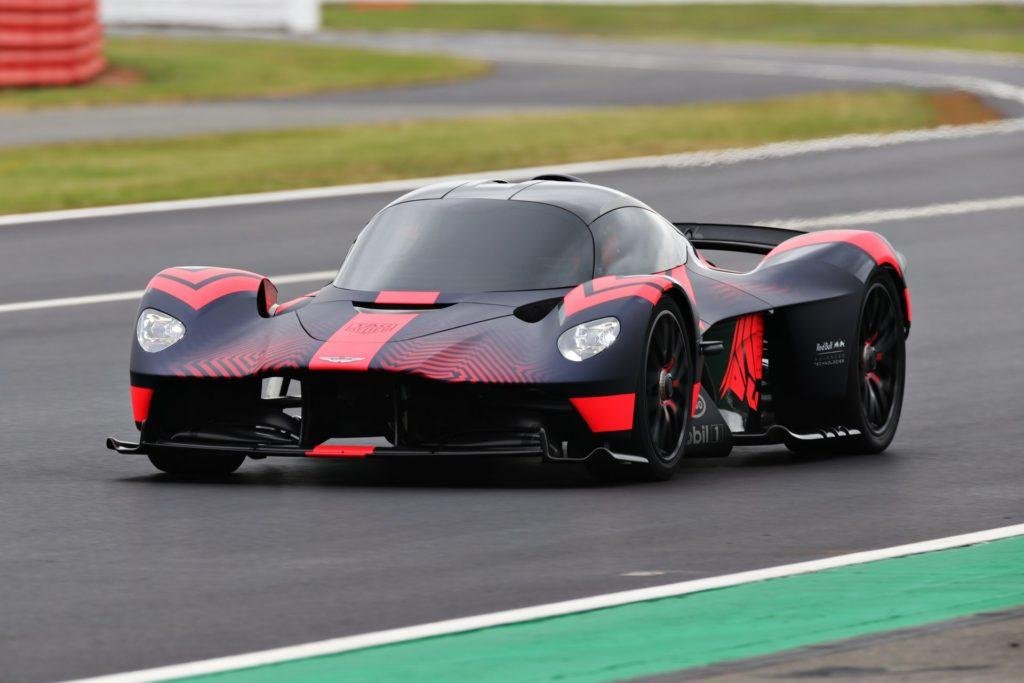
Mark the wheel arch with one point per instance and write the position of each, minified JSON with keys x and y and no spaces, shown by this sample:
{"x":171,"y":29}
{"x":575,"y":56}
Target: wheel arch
{"x":688,"y":308}
{"x":899,"y":280}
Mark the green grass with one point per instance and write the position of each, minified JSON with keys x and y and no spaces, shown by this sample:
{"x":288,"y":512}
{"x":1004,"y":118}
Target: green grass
{"x":154,"y":69}
{"x":91,"y":174}
{"x":981,"y":27}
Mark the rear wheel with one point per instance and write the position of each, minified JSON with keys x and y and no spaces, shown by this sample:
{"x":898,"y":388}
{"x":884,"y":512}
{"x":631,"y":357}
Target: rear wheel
{"x":874,"y":396}
{"x":197,"y":465}
{"x":662,"y":407}
{"x":877,"y":379}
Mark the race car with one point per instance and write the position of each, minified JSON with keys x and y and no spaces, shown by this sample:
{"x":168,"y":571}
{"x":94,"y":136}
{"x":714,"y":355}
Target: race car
{"x":553,"y":318}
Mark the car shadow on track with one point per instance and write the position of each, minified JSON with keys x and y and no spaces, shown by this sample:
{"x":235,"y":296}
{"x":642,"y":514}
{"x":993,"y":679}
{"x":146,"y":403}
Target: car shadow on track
{"x":468,"y":473}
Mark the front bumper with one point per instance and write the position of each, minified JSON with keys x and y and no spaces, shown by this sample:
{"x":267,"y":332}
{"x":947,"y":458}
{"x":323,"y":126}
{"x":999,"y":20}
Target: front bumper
{"x":537,"y":447}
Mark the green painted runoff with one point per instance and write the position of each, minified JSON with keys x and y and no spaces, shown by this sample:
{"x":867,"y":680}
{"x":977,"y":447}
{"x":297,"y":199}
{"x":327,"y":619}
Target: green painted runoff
{"x":692,"y":630}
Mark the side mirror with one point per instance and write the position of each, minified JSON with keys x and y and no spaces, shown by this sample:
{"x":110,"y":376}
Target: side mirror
{"x":266,"y":298}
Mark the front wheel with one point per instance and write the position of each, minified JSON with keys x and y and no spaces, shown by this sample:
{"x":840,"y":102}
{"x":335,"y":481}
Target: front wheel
{"x":662,"y":406}
{"x":197,"y":465}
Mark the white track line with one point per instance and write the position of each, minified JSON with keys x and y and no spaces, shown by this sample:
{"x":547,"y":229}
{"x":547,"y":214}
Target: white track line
{"x":440,"y":628}
{"x":844,"y":220}
{"x":985,"y":87}
{"x":775,"y":150}
{"x":862,"y":218}
{"x":69,"y":301}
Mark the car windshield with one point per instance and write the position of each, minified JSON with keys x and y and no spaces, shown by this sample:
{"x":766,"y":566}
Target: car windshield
{"x":469,"y":245}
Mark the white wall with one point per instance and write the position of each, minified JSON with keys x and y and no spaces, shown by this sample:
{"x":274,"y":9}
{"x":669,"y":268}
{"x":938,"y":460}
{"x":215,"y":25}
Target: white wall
{"x":681,"y":2}
{"x":299,"y":16}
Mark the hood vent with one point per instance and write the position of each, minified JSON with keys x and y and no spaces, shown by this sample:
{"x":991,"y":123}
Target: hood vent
{"x":536,"y":311}
{"x":373,"y":307}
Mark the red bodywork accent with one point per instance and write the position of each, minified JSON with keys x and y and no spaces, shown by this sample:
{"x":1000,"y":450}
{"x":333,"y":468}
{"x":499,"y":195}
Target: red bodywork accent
{"x":411,"y":298}
{"x":872,"y":243}
{"x":693,"y":401}
{"x":610,"y":288}
{"x":606,"y":413}
{"x":486,"y":352}
{"x":876,"y":246}
{"x":682,"y":276}
{"x":333,"y":451}
{"x":141,"y":398}
{"x":201,"y":286}
{"x":281,"y":308}
{"x":248,"y":356}
{"x":743,"y":372}
{"x":359,"y":339}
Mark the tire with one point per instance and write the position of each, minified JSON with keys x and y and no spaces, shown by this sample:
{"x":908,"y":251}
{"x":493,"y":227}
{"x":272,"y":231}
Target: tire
{"x":877,"y":375}
{"x":662,"y":408}
{"x":197,"y":465}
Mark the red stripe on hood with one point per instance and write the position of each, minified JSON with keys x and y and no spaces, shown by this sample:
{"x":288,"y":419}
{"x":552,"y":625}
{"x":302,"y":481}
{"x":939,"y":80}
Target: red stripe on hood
{"x":418,"y":298}
{"x":354,"y":345}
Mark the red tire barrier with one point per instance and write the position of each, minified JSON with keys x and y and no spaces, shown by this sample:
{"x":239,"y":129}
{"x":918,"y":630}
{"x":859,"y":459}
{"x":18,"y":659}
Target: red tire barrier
{"x":49,"y":42}
{"x":65,"y":55}
{"x":47,"y":20}
{"x":45,"y":5}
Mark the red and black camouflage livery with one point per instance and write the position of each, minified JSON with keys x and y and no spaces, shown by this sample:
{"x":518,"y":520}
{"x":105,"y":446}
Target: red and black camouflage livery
{"x":442,"y":372}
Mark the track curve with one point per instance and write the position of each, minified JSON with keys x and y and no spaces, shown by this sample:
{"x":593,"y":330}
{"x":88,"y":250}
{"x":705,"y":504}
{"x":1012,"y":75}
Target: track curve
{"x":535,"y":73}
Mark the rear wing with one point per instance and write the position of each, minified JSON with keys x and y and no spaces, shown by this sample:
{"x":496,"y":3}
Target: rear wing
{"x":751,"y":239}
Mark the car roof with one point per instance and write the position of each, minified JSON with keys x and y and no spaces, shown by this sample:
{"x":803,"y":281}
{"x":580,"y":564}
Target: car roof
{"x":585,"y":200}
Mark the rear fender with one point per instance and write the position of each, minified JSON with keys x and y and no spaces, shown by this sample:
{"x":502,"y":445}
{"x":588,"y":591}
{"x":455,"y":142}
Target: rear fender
{"x":871,"y":243}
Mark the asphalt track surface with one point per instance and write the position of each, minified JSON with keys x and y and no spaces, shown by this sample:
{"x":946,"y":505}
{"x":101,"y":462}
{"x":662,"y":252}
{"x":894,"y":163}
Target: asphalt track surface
{"x":109,"y":566}
{"x":535,"y":73}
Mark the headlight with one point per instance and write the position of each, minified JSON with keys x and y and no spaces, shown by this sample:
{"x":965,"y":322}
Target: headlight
{"x":589,"y":339}
{"x":156,"y":331}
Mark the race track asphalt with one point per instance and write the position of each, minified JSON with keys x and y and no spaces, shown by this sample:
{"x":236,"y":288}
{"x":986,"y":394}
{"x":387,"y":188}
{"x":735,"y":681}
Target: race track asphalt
{"x":108,"y":566}
{"x":541,"y":73}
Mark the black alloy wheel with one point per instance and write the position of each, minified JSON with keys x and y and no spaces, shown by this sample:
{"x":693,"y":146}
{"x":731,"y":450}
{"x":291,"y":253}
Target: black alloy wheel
{"x":665,"y":401}
{"x":662,"y":407}
{"x":881,"y":366}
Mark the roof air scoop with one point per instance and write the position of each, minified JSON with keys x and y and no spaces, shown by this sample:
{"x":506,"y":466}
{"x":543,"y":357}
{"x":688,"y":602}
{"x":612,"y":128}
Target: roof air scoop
{"x":561,"y":177}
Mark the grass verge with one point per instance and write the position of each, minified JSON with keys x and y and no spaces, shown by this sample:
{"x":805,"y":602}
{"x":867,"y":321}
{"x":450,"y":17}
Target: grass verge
{"x":160,"y":70}
{"x":976,"y":27}
{"x":93,"y":174}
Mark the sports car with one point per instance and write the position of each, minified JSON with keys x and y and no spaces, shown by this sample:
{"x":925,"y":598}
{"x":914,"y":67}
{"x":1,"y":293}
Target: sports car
{"x":553,"y":318}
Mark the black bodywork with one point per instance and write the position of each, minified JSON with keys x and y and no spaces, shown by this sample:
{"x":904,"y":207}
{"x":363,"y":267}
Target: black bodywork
{"x":411,"y":357}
